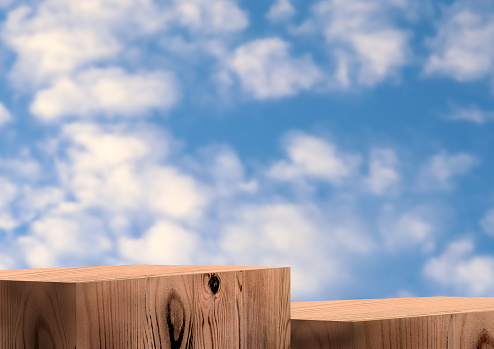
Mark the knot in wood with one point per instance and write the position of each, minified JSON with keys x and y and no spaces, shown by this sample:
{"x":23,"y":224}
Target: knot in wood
{"x":175,"y":319}
{"x":485,"y":340}
{"x":214,"y":283}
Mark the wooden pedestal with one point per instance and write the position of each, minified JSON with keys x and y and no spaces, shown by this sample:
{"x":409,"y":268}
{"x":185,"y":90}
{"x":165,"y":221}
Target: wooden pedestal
{"x":405,"y":323}
{"x":145,"y":306}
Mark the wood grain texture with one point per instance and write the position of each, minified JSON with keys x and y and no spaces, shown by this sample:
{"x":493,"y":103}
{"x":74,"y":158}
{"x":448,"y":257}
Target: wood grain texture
{"x":473,"y":330}
{"x":215,"y":315}
{"x":180,"y":311}
{"x":172,"y":307}
{"x":307,"y":334}
{"x":113,"y":272}
{"x":263,"y":319}
{"x":424,"y":332}
{"x":37,"y":315}
{"x":411,"y":323}
{"x":108,"y":312}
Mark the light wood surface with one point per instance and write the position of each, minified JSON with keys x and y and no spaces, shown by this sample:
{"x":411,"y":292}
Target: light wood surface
{"x":174,"y":307}
{"x":179,"y":311}
{"x":114,"y":272}
{"x":264,"y":312}
{"x":411,"y":323}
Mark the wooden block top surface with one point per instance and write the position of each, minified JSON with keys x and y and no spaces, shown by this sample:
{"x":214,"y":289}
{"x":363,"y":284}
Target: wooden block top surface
{"x":390,"y":308}
{"x":107,"y":273}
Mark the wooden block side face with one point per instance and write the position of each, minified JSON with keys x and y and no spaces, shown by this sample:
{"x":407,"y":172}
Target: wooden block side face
{"x":169,"y":312}
{"x":215,"y":321}
{"x":177,"y":312}
{"x":473,"y":330}
{"x":458,"y":331}
{"x":263,"y":303}
{"x":307,"y":334}
{"x":194,"y":311}
{"x":427,"y":332}
{"x":108,"y":314}
{"x":37,"y":315}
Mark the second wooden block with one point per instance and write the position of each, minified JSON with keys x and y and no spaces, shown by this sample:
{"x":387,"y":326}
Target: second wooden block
{"x":411,"y":323}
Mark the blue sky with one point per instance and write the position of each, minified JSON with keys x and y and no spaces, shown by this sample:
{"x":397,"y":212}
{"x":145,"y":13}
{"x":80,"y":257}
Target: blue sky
{"x":350,"y":140}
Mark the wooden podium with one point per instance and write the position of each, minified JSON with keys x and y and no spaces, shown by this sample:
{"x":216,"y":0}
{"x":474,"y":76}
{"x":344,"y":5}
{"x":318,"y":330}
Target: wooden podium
{"x":145,"y":306}
{"x":206,"y":307}
{"x":403,"y":323}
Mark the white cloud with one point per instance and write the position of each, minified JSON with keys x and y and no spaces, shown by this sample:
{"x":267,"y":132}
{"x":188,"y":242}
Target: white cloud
{"x":56,"y":38}
{"x":366,"y":46}
{"x":8,"y":192}
{"x":487,"y":222}
{"x":382,"y":171}
{"x":280,"y":10}
{"x":37,"y":200}
{"x":21,"y":167}
{"x":8,"y":221}
{"x":110,"y":92}
{"x":206,"y":16}
{"x":281,"y":235}
{"x":312,"y":157}
{"x":409,"y":229}
{"x":441,"y":169}
{"x":111,"y":180}
{"x":5,"y":3}
{"x":460,"y":48}
{"x":60,"y":240}
{"x":267,"y":70}
{"x":172,"y":192}
{"x":60,"y":36}
{"x":120,"y":170}
{"x":164,"y":243}
{"x":5,"y":115}
{"x":472,"y":114}
{"x":463,"y":271}
{"x":225,"y":171}
{"x":6,"y":262}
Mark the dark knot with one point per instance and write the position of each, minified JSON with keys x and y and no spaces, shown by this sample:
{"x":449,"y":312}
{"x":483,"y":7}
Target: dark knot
{"x":214,"y":283}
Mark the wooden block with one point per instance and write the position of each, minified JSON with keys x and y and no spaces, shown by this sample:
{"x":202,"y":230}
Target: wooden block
{"x":263,"y":321}
{"x":145,"y":306}
{"x":411,"y":323}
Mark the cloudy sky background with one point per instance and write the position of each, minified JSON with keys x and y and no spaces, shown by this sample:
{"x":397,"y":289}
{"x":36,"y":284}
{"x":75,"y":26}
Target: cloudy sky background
{"x":348,"y":139}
